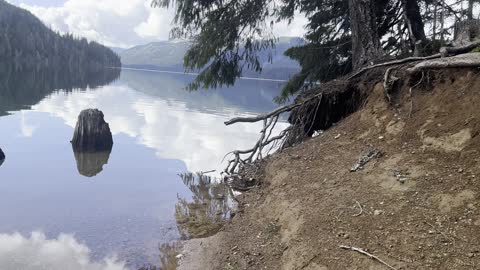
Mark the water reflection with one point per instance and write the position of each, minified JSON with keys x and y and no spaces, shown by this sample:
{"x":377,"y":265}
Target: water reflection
{"x":133,"y":207}
{"x":212,"y":203}
{"x":37,"y":252}
{"x":90,"y":164}
{"x":20,"y":89}
{"x":159,"y":114}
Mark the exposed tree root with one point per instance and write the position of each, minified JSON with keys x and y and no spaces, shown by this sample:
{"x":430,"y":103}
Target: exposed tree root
{"x":458,"y":61}
{"x":335,"y":100}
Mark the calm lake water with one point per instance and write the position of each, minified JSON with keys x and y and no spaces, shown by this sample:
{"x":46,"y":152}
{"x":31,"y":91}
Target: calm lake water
{"x":54,"y":216}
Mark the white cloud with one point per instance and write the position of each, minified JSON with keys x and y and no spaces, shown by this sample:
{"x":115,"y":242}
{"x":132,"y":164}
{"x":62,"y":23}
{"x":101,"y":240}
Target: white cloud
{"x":37,"y":252}
{"x":120,"y":23}
{"x":123,"y":23}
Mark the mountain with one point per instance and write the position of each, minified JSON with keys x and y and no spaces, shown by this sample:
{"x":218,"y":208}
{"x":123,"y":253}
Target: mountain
{"x":117,"y":50}
{"x":27,"y":43}
{"x":168,"y":55}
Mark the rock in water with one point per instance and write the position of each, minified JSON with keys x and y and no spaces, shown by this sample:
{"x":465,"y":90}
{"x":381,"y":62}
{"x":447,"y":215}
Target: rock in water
{"x":92,"y":133}
{"x":2,"y":157}
{"x":90,"y":164}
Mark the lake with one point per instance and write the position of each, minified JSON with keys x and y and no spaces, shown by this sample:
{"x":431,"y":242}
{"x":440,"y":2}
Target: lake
{"x":59,"y":210}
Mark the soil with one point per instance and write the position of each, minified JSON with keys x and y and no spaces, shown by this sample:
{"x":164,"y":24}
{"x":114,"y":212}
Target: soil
{"x":417,"y":206}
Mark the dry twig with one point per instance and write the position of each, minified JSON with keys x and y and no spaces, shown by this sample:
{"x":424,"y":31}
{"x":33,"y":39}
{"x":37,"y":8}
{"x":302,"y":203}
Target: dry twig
{"x":361,"y":209}
{"x":371,"y":256}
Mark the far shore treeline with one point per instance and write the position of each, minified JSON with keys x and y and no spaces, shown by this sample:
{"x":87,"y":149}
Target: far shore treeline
{"x":27,"y":43}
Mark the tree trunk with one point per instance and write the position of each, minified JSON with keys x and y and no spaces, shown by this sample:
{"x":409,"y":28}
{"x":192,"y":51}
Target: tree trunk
{"x":414,"y":19}
{"x":366,"y":46}
{"x":435,"y":10}
{"x":442,"y":25}
{"x":470,"y":9}
{"x":466,"y":31}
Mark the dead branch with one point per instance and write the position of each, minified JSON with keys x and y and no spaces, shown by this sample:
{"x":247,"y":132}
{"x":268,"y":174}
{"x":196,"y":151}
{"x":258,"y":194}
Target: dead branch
{"x":260,"y":117}
{"x":371,"y":256}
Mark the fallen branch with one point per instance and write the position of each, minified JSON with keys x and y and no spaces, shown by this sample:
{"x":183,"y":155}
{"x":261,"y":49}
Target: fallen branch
{"x":371,"y":256}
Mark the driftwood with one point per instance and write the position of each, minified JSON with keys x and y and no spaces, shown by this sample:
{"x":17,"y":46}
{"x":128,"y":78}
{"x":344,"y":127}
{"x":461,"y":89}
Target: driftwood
{"x":371,"y":256}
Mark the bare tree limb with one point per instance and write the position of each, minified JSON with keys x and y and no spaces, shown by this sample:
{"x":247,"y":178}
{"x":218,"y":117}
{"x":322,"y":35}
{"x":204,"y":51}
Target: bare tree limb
{"x":260,"y":117}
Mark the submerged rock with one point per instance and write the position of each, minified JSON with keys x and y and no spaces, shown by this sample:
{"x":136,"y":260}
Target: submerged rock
{"x":90,"y":164}
{"x":92,"y":133}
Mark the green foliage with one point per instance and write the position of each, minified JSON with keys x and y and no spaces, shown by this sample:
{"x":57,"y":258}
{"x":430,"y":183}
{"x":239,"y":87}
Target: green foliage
{"x":27,"y":42}
{"x":476,"y":50}
{"x":221,"y":28}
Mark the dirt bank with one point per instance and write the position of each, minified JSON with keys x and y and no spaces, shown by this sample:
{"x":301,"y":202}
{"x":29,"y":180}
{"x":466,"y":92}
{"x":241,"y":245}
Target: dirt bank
{"x":417,"y":206}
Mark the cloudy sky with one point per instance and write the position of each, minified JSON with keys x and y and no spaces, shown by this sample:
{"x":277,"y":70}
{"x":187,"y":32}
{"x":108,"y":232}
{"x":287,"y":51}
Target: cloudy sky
{"x":118,"y":23}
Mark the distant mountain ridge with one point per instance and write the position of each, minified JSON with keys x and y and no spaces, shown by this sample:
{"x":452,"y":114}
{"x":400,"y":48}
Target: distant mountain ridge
{"x":27,"y":43}
{"x":168,"y":55}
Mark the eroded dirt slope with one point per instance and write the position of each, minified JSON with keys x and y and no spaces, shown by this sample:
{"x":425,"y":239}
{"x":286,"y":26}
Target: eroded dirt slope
{"x":415,"y":207}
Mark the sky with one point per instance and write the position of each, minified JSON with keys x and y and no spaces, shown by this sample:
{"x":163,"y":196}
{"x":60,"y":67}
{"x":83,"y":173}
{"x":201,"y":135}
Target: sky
{"x":118,"y":23}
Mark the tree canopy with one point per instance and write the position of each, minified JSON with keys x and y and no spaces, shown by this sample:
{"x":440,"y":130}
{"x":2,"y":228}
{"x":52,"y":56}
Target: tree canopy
{"x":342,"y":35}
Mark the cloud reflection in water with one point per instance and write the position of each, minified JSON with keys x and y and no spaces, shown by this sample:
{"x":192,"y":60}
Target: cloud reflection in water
{"x":197,"y":137}
{"x":37,"y":252}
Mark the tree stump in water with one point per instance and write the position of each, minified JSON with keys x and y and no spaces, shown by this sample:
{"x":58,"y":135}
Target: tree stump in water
{"x":92,"y":133}
{"x":466,"y":32}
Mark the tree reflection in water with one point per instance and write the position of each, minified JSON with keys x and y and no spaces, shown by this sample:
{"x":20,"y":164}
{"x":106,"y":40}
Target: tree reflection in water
{"x":168,"y":257}
{"x":211,"y":205}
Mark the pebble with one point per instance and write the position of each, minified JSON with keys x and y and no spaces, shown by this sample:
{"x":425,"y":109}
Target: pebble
{"x":377,"y":212}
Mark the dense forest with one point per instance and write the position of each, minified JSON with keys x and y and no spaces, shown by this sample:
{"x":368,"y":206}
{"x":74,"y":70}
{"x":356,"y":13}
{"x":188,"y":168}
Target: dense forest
{"x":342,"y":35}
{"x":27,"y":43}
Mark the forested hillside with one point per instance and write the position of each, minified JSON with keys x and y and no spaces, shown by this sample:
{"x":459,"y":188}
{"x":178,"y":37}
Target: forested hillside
{"x":26,"y":42}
